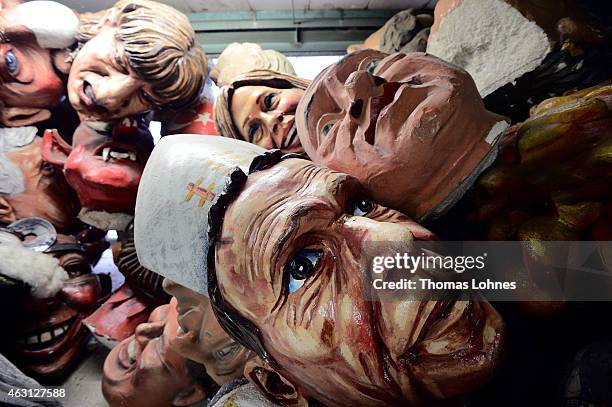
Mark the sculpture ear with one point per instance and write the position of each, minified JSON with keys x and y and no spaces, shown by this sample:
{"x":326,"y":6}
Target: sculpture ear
{"x":55,"y":150}
{"x":189,"y":396}
{"x":272,"y":384}
{"x":7,"y":213}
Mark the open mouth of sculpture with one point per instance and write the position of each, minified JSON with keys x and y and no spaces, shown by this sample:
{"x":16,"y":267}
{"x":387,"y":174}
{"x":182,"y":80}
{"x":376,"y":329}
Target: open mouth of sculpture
{"x":88,"y":98}
{"x":114,"y":152}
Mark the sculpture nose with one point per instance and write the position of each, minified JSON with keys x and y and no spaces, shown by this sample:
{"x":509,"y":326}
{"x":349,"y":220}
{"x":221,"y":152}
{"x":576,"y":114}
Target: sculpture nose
{"x":361,"y":87}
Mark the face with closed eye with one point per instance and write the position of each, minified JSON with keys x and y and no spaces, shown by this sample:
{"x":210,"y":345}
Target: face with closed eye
{"x":265,"y":116}
{"x":296,"y":235}
{"x":201,"y":338}
{"x":374,"y":116}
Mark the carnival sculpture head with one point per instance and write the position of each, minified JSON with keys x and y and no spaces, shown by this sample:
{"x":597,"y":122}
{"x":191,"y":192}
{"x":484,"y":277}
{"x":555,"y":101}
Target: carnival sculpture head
{"x":286,"y":264}
{"x":143,"y":370}
{"x":137,"y":56}
{"x":200,"y":337}
{"x":47,"y":337}
{"x":259,"y":107}
{"x":410,"y":127}
{"x":33,"y":38}
{"x":29,"y":185}
{"x":103,"y":165}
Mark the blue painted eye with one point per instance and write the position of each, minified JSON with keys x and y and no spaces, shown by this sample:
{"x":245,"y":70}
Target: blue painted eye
{"x":301,"y":266}
{"x":360,"y":206}
{"x":10,"y":60}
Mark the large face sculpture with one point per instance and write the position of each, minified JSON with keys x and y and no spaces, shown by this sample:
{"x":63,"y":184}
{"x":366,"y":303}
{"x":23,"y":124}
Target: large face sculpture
{"x":144,"y":371}
{"x":296,"y":235}
{"x":45,"y":194}
{"x":200,"y":337}
{"x":103,"y":166}
{"x":48,"y":337}
{"x":410,"y":127}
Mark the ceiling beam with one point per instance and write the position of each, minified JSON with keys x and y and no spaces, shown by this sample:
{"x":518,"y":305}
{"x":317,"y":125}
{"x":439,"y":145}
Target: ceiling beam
{"x":300,"y":32}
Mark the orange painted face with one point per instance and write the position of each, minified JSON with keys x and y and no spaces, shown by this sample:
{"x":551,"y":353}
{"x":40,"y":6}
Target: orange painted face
{"x":266,"y":116}
{"x":297,"y":235}
{"x":46,"y":193}
{"x":144,"y":371}
{"x":201,"y":338}
{"x":409,"y":127}
{"x":29,"y":83}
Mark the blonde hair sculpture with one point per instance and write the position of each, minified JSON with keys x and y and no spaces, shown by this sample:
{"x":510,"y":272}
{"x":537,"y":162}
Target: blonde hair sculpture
{"x":224,"y":123}
{"x":160,"y":46}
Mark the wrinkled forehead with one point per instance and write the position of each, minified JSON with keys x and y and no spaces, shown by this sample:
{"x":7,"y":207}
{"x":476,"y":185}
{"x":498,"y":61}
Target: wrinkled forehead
{"x":275,"y":193}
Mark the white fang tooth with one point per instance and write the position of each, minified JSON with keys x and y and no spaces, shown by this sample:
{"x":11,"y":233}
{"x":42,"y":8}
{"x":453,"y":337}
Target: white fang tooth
{"x":32,"y":340}
{"x":45,"y":337}
{"x":131,"y":351}
{"x":117,"y":155}
{"x":133,"y":156}
{"x":57,"y":332}
{"x":106,"y":153}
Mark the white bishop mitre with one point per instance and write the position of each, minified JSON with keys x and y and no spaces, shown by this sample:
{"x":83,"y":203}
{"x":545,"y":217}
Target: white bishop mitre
{"x":183,"y":179}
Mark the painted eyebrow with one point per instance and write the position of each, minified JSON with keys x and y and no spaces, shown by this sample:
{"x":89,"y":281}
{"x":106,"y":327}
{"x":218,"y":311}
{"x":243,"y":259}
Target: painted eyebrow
{"x":339,"y":184}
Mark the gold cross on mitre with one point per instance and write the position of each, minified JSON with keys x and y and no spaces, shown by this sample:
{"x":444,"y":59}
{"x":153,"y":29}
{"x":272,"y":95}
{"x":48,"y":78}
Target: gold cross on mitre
{"x":204,"y":194}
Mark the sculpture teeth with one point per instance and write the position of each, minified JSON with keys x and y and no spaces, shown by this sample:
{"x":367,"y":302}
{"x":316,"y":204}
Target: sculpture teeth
{"x":133,"y":156}
{"x":131,"y":351}
{"x":44,"y":337}
{"x":117,"y":155}
{"x":106,"y":153}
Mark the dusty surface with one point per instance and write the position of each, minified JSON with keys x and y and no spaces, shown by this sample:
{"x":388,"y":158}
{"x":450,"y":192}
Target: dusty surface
{"x":83,"y":387}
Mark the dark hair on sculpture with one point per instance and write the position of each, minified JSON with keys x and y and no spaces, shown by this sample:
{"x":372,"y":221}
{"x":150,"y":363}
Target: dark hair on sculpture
{"x":238,"y":327}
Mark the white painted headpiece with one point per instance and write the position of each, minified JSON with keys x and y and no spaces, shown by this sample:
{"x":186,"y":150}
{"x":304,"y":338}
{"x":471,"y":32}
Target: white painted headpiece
{"x":183,"y":179}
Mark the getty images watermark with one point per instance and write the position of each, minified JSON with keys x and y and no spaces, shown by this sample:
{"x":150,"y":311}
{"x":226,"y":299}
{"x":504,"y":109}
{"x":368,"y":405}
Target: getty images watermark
{"x":432,"y":262}
{"x":499,"y":271}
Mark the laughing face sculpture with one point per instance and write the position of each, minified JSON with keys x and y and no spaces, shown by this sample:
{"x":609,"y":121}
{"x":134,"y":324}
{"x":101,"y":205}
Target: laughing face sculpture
{"x":116,"y":72}
{"x":259,"y":107}
{"x":375,"y":116}
{"x":33,"y":38}
{"x":286,"y":259}
{"x":104,"y":167}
